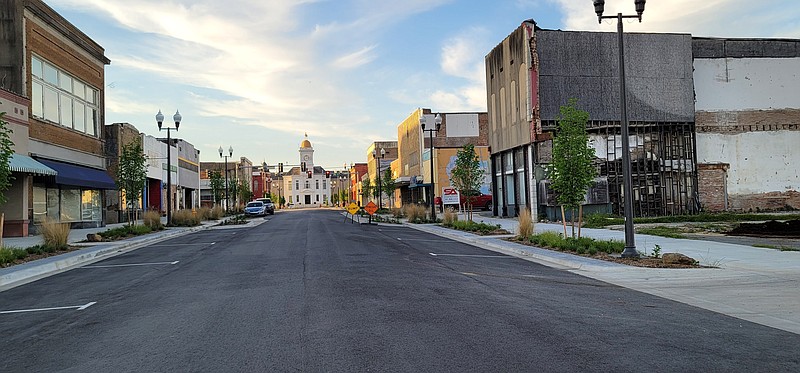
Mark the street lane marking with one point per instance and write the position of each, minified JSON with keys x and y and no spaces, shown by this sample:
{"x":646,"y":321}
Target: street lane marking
{"x":185,"y":244}
{"x":474,"y":256}
{"x":77,"y":308}
{"x":421,"y":239}
{"x":133,"y":264}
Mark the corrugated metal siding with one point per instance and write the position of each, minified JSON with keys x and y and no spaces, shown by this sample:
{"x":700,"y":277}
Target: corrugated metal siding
{"x":584,"y":65}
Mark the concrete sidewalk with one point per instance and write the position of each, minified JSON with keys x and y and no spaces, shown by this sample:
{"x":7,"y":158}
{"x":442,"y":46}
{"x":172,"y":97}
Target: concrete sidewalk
{"x":750,"y":283}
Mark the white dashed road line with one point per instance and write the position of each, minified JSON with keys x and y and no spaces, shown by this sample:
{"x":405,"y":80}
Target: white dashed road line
{"x":77,"y":308}
{"x":133,"y":264}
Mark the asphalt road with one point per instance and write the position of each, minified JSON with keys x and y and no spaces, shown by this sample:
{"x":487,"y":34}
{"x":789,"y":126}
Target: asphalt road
{"x":307,"y":292}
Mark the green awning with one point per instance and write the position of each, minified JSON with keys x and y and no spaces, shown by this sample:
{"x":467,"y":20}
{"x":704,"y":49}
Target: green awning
{"x":28,"y":165}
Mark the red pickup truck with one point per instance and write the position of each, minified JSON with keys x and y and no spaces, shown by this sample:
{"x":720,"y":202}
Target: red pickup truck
{"x":479,"y":201}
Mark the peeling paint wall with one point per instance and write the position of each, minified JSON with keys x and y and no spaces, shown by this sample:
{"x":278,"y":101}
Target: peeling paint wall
{"x":748,"y":116}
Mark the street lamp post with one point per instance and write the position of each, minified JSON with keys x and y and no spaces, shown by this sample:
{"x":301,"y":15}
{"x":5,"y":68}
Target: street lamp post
{"x":437,"y":123}
{"x":378,"y":171}
{"x":221,"y":155}
{"x":627,"y":184}
{"x":160,"y":119}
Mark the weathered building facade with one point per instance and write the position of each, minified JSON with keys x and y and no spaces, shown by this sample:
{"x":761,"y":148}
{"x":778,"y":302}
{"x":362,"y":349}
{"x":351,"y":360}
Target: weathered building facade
{"x":748,"y":123}
{"x":533,"y":72}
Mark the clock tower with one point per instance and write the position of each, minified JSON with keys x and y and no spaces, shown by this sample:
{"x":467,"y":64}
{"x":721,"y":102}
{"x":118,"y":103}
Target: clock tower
{"x":307,"y":154}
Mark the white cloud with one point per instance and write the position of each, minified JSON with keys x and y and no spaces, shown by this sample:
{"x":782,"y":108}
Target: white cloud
{"x":716,"y":18}
{"x":355,"y":59}
{"x":462,"y":57}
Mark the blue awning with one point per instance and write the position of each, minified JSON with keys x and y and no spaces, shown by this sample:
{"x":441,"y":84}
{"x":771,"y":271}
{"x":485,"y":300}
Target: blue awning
{"x":28,"y":165}
{"x":72,"y":174}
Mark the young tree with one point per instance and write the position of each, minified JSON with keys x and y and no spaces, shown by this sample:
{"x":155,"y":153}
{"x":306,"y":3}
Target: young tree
{"x":5,"y":157}
{"x":366,"y":189}
{"x":217,"y":185}
{"x":467,"y":175}
{"x":572,"y":171}
{"x":132,"y":176}
{"x":244,"y":192}
{"x":377,"y":188}
{"x":388,"y":185}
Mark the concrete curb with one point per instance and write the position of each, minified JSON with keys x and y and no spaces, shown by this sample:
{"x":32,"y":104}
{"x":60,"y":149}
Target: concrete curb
{"x":542,"y":256}
{"x":38,"y":269}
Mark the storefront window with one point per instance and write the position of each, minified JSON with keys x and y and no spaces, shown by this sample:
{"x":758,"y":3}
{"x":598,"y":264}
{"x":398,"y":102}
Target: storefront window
{"x":90,"y":205}
{"x":39,"y":204}
{"x":53,"y":210}
{"x":70,"y":205}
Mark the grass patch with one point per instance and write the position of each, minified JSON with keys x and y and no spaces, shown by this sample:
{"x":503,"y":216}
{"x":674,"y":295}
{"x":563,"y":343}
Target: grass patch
{"x":670,"y":232}
{"x":601,"y":220}
{"x":471,"y":226}
{"x":126,"y":231}
{"x":583,"y":245}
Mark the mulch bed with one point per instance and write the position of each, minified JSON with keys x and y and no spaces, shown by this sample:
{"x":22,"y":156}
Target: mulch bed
{"x":31,"y":258}
{"x":772,"y":228}
{"x":648,"y":262}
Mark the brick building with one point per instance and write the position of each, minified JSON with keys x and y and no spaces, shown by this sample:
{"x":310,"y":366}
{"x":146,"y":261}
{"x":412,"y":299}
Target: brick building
{"x":414,"y":151}
{"x":61,"y":70}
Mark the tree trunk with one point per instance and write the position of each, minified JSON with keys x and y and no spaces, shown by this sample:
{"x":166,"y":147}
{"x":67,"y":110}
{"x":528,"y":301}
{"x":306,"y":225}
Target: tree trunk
{"x":2,"y":222}
{"x":564,"y":220}
{"x":580,"y":219}
{"x":572,"y":221}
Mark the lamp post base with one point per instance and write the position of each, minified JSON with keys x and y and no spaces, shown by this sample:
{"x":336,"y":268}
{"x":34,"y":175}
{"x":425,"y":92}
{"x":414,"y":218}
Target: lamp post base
{"x":630,"y":252}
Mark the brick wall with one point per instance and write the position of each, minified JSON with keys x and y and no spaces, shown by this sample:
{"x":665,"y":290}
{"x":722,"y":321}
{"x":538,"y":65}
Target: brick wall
{"x":712,"y":189}
{"x":53,"y":49}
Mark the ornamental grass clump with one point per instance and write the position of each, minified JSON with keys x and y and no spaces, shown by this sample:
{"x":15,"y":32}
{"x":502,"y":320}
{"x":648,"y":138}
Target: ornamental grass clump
{"x":55,"y":234}
{"x":449,"y":217}
{"x":525,"y":221}
{"x":152,"y":219}
{"x":185,"y":218}
{"x":415,"y":213}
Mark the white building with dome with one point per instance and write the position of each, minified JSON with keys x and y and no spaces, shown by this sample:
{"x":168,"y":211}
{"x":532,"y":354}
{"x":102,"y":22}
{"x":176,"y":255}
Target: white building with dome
{"x":307,"y":185}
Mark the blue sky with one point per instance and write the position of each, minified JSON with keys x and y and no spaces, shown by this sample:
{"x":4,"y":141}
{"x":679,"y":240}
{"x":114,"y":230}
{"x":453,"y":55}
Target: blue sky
{"x":257,"y":75}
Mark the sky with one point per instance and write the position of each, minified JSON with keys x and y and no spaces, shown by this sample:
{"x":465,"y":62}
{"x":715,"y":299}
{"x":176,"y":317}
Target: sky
{"x":257,"y":75}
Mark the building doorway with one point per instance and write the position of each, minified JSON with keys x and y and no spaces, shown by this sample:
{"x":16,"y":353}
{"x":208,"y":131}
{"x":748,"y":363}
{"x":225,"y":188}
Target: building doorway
{"x":308,"y":199}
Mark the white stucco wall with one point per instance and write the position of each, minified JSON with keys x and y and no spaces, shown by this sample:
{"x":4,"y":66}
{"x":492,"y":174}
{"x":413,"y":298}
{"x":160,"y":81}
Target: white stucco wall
{"x":759,"y":161}
{"x":736,"y":84}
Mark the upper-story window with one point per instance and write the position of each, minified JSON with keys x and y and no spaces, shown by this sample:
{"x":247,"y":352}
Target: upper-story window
{"x":297,"y":184}
{"x":317,"y":184}
{"x":324,"y":184}
{"x":58,"y":97}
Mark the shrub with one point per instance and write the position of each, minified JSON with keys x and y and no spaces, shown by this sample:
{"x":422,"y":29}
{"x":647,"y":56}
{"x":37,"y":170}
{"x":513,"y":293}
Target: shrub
{"x":55,"y":234}
{"x":397,"y":213}
{"x":579,"y":245}
{"x":525,"y":221}
{"x":125,"y":231}
{"x":185,"y":218}
{"x":217,"y":213}
{"x":449,"y":217}
{"x":152,"y":219}
{"x":471,"y":226}
{"x":415,"y":213}
{"x":6,"y":256}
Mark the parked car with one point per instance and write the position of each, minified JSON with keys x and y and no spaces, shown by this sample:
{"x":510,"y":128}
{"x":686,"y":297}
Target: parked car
{"x":255,"y":208}
{"x":478,"y":201}
{"x":269,"y":206}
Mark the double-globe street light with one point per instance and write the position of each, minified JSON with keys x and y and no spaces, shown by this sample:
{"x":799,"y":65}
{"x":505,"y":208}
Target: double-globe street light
{"x":627,"y":184}
{"x":160,"y":119}
{"x":378,"y":171}
{"x":437,"y":123}
{"x":221,"y":155}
